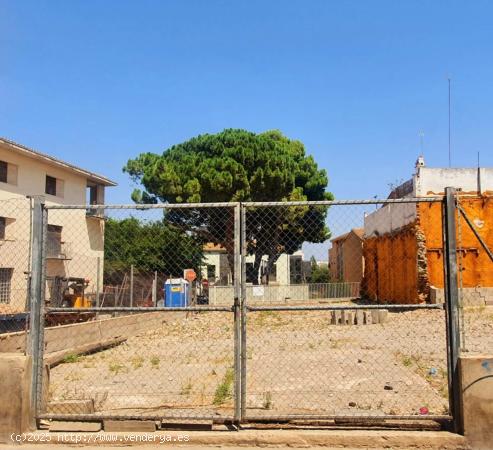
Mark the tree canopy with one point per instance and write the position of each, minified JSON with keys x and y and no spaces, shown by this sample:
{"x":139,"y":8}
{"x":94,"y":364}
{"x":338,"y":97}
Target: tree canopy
{"x":149,"y":246}
{"x":238,"y":165}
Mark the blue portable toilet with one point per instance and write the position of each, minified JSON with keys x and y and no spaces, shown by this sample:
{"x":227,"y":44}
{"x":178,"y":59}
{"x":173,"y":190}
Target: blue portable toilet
{"x":176,"y":293}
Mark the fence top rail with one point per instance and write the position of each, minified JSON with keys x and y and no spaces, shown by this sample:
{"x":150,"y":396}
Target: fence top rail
{"x":434,"y":199}
{"x":342,"y":307}
{"x":139,"y":309}
{"x":146,"y":206}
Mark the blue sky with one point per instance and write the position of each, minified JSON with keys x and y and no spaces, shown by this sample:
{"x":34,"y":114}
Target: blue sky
{"x":97,"y":82}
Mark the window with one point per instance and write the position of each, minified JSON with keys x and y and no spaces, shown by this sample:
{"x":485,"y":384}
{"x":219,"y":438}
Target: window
{"x":3,"y":223}
{"x":54,"y":241}
{"x":50,"y":185}
{"x":5,"y":283}
{"x":8,"y":173}
{"x":3,"y":171}
{"x":211,"y":271}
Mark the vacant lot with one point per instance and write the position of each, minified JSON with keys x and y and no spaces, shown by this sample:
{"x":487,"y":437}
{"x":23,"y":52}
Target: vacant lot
{"x":297,"y":363}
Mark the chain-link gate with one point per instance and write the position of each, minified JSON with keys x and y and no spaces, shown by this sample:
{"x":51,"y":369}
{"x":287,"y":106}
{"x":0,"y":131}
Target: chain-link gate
{"x":140,"y":316}
{"x":244,"y":312}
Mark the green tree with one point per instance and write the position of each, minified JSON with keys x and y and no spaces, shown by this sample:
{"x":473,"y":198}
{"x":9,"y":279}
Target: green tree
{"x":238,"y":165}
{"x":319,"y":273}
{"x":149,"y":246}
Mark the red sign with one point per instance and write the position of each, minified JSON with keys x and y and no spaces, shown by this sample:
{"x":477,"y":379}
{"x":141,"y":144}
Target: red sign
{"x":190,"y":275}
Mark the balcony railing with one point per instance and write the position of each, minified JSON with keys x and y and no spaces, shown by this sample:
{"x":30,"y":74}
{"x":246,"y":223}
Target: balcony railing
{"x":56,"y":249}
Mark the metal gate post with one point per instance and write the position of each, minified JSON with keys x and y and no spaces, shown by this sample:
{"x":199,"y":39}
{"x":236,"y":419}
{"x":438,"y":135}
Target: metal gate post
{"x":243,"y":314}
{"x":36,"y":295}
{"x":452,"y":303}
{"x":237,"y":313}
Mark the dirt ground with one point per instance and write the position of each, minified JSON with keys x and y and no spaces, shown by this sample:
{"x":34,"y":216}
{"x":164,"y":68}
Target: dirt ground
{"x":297,"y":363}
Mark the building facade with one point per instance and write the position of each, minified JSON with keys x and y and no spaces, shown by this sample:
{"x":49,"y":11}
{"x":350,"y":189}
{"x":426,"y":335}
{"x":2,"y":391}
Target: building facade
{"x":75,"y":238}
{"x":403,"y":243}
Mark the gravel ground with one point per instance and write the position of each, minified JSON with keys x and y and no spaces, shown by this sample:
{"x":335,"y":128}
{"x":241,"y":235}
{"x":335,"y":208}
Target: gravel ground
{"x":297,"y":363}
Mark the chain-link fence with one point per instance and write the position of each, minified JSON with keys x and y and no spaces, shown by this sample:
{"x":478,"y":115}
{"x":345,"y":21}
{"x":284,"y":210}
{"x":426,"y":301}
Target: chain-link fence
{"x":341,"y":319}
{"x":254,"y":311}
{"x":475,"y":271}
{"x":130,"y":330}
{"x":15,"y":260}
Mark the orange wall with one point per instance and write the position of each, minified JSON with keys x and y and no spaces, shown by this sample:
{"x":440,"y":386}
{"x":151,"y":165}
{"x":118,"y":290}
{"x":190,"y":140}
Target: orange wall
{"x":391,"y":268}
{"x":477,"y":268}
{"x":391,"y":260}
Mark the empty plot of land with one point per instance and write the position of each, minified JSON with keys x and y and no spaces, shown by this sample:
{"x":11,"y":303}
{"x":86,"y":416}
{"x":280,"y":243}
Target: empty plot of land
{"x":298,"y":363}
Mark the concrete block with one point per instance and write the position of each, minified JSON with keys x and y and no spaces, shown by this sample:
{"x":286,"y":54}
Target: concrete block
{"x":337,"y":317}
{"x":382,"y":315}
{"x":71,"y":407}
{"x":349,"y":317}
{"x":360,"y":317}
{"x":437,"y":295}
{"x":374,"y":316}
{"x":129,"y":425}
{"x":58,"y":425}
{"x":476,"y":377}
{"x":343,"y":317}
{"x":15,"y":389}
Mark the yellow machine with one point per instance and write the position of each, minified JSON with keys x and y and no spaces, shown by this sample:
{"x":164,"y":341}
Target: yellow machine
{"x":69,"y":292}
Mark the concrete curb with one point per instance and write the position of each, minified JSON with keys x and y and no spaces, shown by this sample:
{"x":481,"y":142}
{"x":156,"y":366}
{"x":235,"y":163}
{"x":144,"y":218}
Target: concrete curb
{"x":358,"y":439}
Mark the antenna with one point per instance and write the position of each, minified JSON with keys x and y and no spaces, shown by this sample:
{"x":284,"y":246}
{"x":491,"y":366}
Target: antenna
{"x":421,"y":141}
{"x":449,"y":148}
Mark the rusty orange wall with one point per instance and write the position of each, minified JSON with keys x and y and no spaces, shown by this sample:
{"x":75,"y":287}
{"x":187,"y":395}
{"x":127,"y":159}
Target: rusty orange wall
{"x":477,"y":268}
{"x":391,"y":267}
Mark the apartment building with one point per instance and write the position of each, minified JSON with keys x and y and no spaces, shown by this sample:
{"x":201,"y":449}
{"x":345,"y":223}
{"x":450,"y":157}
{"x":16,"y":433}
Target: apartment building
{"x":75,"y":238}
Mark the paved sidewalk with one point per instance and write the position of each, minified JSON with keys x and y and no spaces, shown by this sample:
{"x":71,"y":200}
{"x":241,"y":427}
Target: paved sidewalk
{"x":347,"y":439}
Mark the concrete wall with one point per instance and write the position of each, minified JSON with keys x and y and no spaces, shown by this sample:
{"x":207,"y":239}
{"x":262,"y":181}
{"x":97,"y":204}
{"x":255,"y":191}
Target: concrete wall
{"x":67,"y":337}
{"x":430,"y":180}
{"x":224,"y":295}
{"x":82,"y":236}
{"x":476,"y":375}
{"x":389,"y":218}
{"x":15,"y":379}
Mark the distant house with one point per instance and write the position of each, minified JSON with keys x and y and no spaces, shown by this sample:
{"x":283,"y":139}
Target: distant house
{"x":75,"y":238}
{"x":346,"y":261}
{"x":403,"y":246}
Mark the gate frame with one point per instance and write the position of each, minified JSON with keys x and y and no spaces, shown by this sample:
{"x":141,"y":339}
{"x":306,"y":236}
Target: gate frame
{"x":240,"y":308}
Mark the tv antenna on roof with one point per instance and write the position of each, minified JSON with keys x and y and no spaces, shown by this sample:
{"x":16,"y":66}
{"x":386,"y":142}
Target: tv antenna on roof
{"x":449,"y":104}
{"x":421,"y":135}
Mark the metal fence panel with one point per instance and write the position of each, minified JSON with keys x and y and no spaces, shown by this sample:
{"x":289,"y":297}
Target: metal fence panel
{"x":129,"y":329}
{"x":342,"y":318}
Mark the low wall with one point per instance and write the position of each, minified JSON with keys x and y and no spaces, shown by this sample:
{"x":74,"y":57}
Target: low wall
{"x":63,"y":337}
{"x":15,"y":406}
{"x":470,"y":296}
{"x":476,"y":375}
{"x":224,"y":295}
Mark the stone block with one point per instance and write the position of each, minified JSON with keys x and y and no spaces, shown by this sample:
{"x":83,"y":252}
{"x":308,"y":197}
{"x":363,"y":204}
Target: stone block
{"x":146,"y":426}
{"x":360,"y":317}
{"x":374,"y":316}
{"x":383,"y":315}
{"x":63,"y":426}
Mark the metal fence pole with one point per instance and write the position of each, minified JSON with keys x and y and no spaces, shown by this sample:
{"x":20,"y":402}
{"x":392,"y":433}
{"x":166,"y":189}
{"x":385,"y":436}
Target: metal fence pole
{"x":452,"y":303}
{"x":36,"y":302}
{"x":132,"y":285}
{"x":243,"y":313}
{"x":237,"y":313}
{"x":98,"y":275}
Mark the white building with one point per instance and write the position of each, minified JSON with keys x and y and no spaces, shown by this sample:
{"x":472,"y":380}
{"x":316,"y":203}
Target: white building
{"x":75,"y":240}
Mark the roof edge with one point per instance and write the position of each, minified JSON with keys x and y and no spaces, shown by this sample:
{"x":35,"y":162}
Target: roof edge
{"x":58,"y":162}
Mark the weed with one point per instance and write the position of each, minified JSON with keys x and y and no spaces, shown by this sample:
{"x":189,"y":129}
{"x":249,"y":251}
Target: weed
{"x":72,"y":358}
{"x":155,"y":361}
{"x":224,"y":389}
{"x":137,"y":361}
{"x":186,"y":388}
{"x":116,"y":368}
{"x":267,"y":404}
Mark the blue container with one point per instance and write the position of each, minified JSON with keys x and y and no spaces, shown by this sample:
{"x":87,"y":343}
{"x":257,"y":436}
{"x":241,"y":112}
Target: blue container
{"x":176,"y":293}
